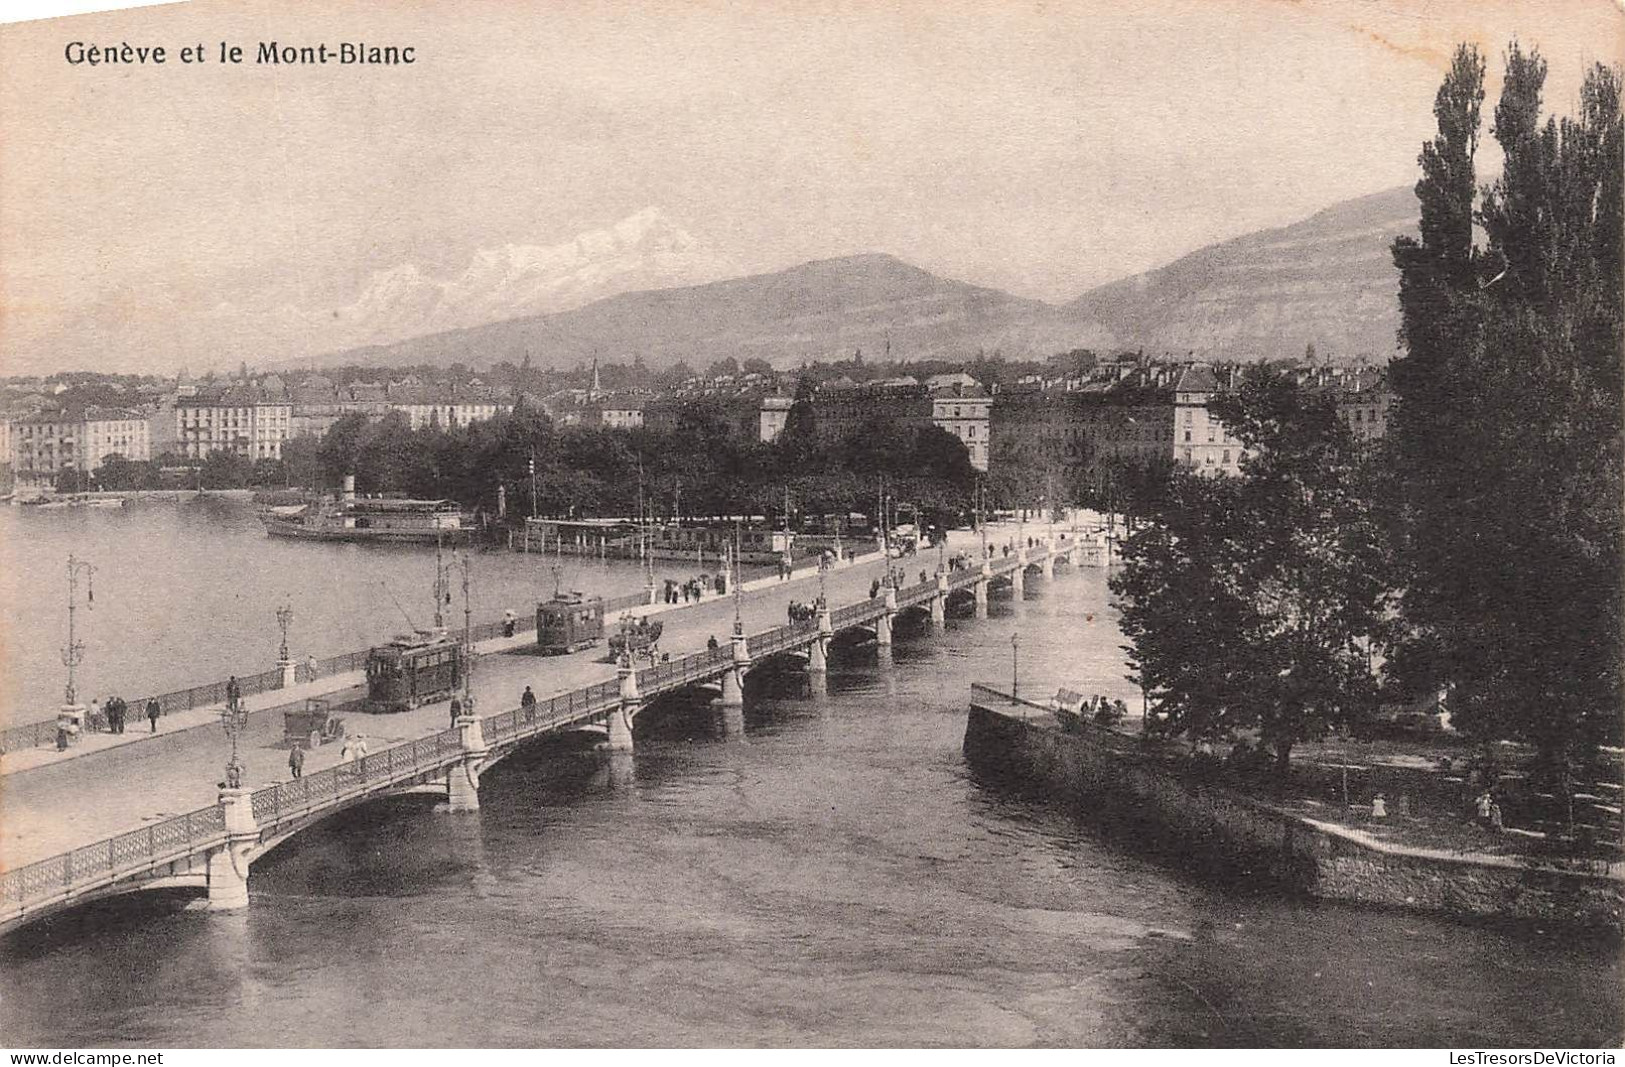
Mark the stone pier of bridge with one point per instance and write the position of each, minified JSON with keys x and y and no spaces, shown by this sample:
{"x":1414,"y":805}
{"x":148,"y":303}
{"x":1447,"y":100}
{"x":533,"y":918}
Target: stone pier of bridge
{"x":227,"y":866}
{"x":733,"y":678}
{"x":883,"y":624}
{"x":463,"y":779}
{"x":939,"y":602}
{"x":619,"y":719}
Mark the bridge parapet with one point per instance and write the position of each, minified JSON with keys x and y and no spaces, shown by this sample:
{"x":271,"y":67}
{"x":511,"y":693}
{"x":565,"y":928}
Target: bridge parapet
{"x":552,"y":713}
{"x":276,"y":804}
{"x":71,"y":874}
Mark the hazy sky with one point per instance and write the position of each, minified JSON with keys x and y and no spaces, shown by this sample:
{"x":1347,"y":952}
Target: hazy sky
{"x":1039,"y":147}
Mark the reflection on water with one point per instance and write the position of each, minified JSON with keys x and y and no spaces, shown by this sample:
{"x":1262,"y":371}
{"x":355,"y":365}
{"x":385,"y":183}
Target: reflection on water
{"x":820,"y":869}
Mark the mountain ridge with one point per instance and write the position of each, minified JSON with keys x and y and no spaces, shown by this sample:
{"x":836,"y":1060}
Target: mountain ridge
{"x":1325,"y":280}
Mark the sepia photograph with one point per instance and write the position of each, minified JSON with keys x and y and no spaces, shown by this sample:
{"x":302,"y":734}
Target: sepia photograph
{"x":812,"y":524}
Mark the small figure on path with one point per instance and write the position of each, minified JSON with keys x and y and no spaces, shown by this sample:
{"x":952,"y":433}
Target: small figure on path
{"x":1484,"y":805}
{"x":1379,"y":807}
{"x":1496,"y":824}
{"x":296,"y":760}
{"x":97,"y":720}
{"x":153,"y":712}
{"x":310,"y":668}
{"x":711,"y":642}
{"x":61,"y":738}
{"x":347,"y":750}
{"x":456,"y":710}
{"x":234,"y":690}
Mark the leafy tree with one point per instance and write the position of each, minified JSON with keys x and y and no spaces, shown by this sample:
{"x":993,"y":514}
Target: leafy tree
{"x":225,"y":470}
{"x":341,"y":447}
{"x":1185,"y":613}
{"x":1506,"y":442}
{"x":1252,"y":602}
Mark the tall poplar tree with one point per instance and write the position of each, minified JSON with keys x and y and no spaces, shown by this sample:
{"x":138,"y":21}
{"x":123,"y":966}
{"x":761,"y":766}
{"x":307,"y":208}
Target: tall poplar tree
{"x":1506,"y":439}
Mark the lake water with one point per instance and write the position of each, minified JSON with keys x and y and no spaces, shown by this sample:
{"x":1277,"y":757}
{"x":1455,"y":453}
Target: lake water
{"x":186,"y":593}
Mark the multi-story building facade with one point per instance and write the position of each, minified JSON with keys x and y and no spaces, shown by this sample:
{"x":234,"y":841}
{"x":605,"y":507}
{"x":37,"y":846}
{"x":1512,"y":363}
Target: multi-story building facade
{"x":772,"y":413}
{"x":425,"y":406}
{"x":843,"y":413}
{"x":964,"y":411}
{"x":623,"y":412}
{"x":44,"y":445}
{"x":1070,"y":437}
{"x":241,"y":420}
{"x":5,"y":440}
{"x":318,"y":404}
{"x":1363,"y":399}
{"x":1202,"y":442}
{"x":748,"y":415}
{"x":110,"y":432}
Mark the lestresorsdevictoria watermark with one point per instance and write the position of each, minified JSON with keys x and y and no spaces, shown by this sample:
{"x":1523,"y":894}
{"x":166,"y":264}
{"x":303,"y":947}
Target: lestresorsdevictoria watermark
{"x":1538,"y":1058}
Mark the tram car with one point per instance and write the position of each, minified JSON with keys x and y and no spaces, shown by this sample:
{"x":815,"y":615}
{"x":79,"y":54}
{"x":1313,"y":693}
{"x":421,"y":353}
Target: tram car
{"x":414,"y":669}
{"x":568,"y":623}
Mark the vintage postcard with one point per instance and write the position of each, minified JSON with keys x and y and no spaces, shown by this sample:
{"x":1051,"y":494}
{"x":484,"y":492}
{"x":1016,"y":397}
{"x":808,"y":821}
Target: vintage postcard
{"x":664,"y":524}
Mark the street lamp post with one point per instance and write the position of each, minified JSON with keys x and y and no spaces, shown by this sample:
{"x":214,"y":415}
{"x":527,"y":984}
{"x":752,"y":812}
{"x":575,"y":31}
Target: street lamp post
{"x":284,"y":619}
{"x":468,"y":644}
{"x":1015,"y":648}
{"x":739,"y":619}
{"x":73,"y":653}
{"x":234,"y":720}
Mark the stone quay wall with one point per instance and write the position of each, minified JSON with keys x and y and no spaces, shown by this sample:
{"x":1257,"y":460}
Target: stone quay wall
{"x":1210,"y":823}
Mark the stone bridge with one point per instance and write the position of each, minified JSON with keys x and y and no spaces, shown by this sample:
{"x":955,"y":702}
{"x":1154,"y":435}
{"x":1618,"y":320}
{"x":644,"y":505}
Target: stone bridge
{"x":212,"y":849}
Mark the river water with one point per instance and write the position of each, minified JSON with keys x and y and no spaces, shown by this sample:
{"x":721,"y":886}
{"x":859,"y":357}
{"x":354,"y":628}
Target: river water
{"x":827,"y":871}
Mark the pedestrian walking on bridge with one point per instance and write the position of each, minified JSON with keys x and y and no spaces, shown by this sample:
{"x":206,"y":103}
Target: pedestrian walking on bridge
{"x":296,"y":760}
{"x":153,"y":711}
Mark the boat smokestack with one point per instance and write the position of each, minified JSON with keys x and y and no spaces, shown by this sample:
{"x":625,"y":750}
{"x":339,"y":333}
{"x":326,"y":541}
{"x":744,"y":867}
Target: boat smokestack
{"x":349,"y":488}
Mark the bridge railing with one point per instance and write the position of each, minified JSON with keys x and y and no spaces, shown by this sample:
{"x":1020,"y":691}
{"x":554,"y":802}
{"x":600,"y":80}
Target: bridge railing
{"x":918,"y":593}
{"x":107,"y":860}
{"x":277,"y":802}
{"x":43,"y":731}
{"x":680,"y":672}
{"x":566,"y":707}
{"x":776,"y":640}
{"x":858,"y":612}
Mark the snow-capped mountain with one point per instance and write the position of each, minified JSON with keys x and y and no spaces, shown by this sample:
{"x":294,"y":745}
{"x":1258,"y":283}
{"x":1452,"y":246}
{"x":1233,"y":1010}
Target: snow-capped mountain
{"x":643,"y":251}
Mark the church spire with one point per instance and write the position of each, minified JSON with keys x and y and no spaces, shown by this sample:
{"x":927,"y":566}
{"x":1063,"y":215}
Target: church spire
{"x":597,"y":388}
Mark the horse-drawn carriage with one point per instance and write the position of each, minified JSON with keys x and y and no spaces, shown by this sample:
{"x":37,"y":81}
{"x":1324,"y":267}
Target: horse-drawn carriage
{"x":637,"y":638}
